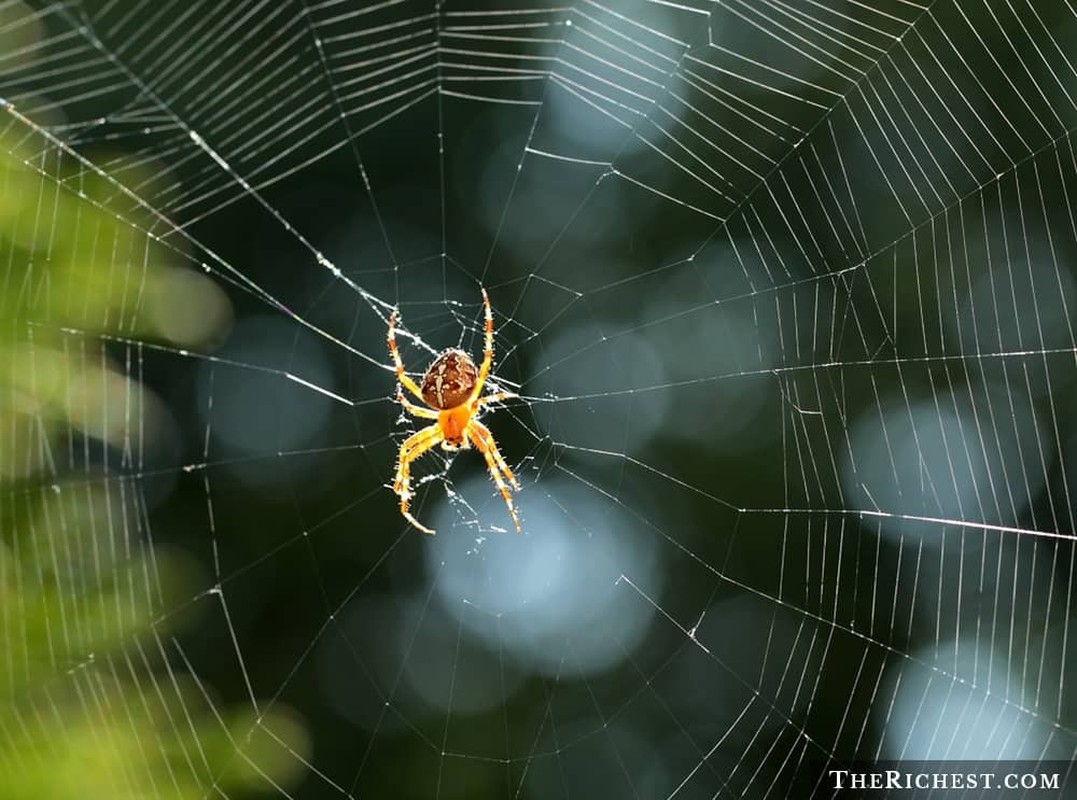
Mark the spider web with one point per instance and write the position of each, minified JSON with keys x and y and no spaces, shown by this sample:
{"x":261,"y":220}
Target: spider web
{"x":786,"y":291}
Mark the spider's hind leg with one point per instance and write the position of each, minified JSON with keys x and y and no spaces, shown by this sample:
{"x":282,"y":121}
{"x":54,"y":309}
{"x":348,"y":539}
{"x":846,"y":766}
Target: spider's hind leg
{"x":401,"y":376}
{"x":414,"y":410}
{"x":496,"y":397}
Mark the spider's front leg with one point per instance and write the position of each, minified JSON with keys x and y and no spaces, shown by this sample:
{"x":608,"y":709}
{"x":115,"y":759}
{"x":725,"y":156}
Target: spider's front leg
{"x":499,"y":471}
{"x":413,"y":447}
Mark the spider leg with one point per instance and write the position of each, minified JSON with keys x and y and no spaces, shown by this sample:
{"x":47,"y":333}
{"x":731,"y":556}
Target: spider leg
{"x":484,"y":443}
{"x":413,"y":447}
{"x":414,"y":410}
{"x":401,"y":376}
{"x":488,"y":349}
{"x":480,"y":430}
{"x":495,"y":398}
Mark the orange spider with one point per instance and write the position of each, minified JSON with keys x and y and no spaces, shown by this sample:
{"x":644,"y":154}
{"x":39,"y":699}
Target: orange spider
{"x":450,"y":388}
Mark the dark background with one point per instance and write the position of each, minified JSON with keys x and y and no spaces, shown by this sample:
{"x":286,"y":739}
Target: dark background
{"x":786,"y":291}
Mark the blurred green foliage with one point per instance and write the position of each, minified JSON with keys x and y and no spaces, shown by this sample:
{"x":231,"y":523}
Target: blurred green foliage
{"x":90,"y":706}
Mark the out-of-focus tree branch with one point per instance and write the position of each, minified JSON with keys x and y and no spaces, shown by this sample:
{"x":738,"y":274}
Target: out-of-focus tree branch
{"x":90,"y":705}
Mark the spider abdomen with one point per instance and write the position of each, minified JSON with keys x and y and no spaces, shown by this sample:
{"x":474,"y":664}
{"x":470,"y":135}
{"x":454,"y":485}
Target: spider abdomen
{"x":449,"y":380}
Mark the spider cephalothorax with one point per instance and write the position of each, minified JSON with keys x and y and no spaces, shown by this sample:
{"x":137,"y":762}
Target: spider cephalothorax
{"x":451,"y":388}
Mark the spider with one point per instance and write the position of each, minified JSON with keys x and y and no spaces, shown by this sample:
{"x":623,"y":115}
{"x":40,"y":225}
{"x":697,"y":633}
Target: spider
{"x":450,"y":389}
